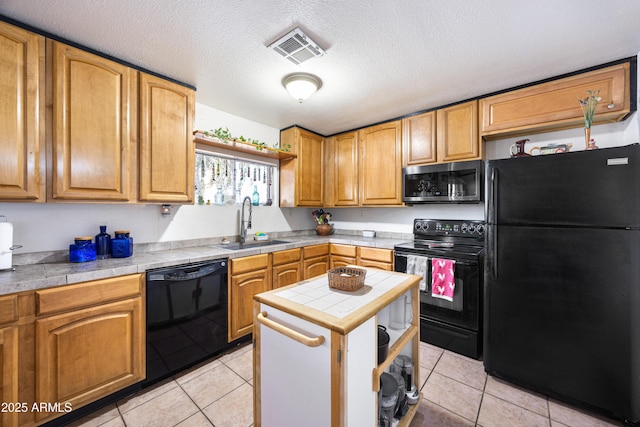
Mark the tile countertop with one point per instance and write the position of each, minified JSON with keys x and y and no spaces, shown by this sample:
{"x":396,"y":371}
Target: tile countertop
{"x":341,"y":311}
{"x":40,"y":276}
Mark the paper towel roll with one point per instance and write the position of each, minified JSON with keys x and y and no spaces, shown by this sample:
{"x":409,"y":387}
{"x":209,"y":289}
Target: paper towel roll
{"x":6,"y":241}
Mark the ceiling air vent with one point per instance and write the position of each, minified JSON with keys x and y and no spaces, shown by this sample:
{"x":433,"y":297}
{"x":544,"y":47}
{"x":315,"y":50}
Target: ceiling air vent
{"x":297,"y":47}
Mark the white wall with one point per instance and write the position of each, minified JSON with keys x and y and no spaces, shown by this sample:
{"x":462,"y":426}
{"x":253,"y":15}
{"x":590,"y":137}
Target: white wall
{"x":45,"y":227}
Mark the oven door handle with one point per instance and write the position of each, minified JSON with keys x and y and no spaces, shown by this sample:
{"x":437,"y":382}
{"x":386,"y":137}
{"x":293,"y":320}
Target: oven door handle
{"x":457,"y":261}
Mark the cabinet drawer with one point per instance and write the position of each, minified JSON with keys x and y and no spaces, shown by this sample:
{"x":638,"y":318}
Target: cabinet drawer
{"x":249,"y":263}
{"x":343,"y":250}
{"x":88,"y":293}
{"x":315,"y":250}
{"x":376,"y":254}
{"x":284,"y":257}
{"x":8,"y":308}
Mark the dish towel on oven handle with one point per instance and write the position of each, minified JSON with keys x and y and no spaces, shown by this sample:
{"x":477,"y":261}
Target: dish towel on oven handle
{"x":443,"y":282}
{"x":418,"y":265}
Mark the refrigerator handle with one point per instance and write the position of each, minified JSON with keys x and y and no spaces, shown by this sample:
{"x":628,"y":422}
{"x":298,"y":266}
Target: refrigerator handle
{"x":492,"y":218}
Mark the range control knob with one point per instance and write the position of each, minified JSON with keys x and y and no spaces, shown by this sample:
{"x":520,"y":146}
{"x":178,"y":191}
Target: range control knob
{"x":480,"y":229}
{"x":464,"y":227}
{"x":472,"y":228}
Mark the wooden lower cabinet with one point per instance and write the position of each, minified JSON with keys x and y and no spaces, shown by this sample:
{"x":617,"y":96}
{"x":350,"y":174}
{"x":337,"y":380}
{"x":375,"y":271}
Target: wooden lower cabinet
{"x":375,"y":257}
{"x":315,"y":260}
{"x":248,"y":276}
{"x":342,"y":255}
{"x":87,"y":354}
{"x":287,"y":267}
{"x":9,"y":369}
{"x":89,"y":342}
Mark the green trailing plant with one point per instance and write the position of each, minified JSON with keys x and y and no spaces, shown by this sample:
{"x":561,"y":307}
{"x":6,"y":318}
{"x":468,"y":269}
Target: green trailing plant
{"x":225,"y":136}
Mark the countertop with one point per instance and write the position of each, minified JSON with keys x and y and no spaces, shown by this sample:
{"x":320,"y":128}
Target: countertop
{"x":44,"y":275}
{"x":341,"y":311}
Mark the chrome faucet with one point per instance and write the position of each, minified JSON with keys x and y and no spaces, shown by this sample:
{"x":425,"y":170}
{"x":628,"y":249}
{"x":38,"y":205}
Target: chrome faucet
{"x":243,"y":230}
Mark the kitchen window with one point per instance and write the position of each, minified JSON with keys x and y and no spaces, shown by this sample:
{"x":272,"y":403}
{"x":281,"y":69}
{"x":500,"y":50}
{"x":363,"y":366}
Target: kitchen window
{"x":226,"y":180}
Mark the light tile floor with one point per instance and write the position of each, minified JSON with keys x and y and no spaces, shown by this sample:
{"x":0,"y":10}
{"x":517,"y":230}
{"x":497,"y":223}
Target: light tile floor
{"x":456,"y":392}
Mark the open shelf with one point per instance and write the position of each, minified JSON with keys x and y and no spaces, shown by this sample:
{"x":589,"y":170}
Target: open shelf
{"x":242,"y":147}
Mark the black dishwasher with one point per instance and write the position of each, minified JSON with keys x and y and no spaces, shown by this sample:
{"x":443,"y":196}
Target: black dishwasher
{"x":186,"y":316}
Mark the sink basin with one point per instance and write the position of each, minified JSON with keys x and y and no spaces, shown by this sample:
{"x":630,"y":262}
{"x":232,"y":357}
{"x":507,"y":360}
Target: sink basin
{"x":252,"y":244}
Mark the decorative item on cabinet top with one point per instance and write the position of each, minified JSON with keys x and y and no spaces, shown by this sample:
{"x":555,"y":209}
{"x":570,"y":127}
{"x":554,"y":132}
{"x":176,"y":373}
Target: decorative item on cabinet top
{"x":222,"y":138}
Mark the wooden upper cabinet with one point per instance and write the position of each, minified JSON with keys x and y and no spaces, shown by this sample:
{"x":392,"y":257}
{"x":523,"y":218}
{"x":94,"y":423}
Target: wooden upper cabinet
{"x":554,"y":105}
{"x":22,"y":162}
{"x":380,"y":151}
{"x":93,"y":125}
{"x":458,"y":137}
{"x":342,"y":170}
{"x":167,"y":149}
{"x":301,"y":178}
{"x":419,"y":139}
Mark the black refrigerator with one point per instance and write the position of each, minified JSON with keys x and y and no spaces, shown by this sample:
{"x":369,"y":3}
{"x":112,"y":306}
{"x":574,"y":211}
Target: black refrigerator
{"x":562,"y":276}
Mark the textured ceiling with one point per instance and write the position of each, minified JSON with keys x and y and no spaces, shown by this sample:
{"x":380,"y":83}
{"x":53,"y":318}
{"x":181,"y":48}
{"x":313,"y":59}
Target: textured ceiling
{"x":384,"y":58}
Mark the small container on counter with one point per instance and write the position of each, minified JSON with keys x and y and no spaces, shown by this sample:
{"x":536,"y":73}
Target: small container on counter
{"x":82,"y":250}
{"x":122,"y":244}
{"x":103,"y":243}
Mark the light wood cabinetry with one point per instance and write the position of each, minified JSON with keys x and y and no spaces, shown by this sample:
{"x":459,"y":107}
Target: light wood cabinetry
{"x":302,"y":178}
{"x":553,"y":105}
{"x":380,"y":164}
{"x":94,"y":125}
{"x":315,"y":260}
{"x":375,"y":257}
{"x":90,"y":340}
{"x":342,"y":178}
{"x":22,"y":138}
{"x":419,"y":143}
{"x":445,"y":135}
{"x":287,"y":267}
{"x":342,"y":255}
{"x":9,"y":366}
{"x":458,"y":137}
{"x":248,"y":276}
{"x":166,"y":144}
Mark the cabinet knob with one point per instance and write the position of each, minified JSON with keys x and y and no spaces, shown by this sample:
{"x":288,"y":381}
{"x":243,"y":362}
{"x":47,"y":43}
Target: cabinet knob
{"x":610,"y":106}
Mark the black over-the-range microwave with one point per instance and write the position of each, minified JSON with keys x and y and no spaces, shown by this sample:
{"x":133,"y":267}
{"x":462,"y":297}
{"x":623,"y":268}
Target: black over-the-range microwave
{"x":457,"y":182}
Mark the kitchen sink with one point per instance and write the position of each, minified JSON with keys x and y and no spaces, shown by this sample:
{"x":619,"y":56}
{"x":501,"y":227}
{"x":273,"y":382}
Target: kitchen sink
{"x":252,"y":244}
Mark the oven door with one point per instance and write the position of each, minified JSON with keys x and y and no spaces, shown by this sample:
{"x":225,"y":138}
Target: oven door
{"x":464,"y":310}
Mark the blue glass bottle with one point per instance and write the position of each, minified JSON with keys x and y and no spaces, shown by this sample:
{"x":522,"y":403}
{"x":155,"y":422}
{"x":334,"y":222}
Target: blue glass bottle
{"x":103,"y":243}
{"x":122,"y":244}
{"x":256,"y":196}
{"x":82,"y":250}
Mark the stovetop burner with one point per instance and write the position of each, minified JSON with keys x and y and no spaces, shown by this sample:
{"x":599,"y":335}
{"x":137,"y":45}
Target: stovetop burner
{"x":449,"y":238}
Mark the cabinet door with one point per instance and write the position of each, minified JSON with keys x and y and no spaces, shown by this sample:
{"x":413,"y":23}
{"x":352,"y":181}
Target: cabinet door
{"x":554,"y":105}
{"x":419,"y":139}
{"x":315,"y":266}
{"x":341,"y":261}
{"x":93,"y":126}
{"x":241,"y":291}
{"x":301,"y":179}
{"x":286,"y":274}
{"x":87,"y":354}
{"x":22,"y":118}
{"x":381,"y":164}
{"x":458,"y":137}
{"x":345,"y":170}
{"x":167,"y":152}
{"x":9,"y":374}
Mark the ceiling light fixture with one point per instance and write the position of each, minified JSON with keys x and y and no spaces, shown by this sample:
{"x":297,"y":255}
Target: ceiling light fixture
{"x":301,"y":85}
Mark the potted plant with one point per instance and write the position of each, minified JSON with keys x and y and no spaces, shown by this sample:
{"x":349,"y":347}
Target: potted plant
{"x":323,"y":228}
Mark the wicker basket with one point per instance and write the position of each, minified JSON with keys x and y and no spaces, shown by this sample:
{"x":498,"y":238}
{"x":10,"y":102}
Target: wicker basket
{"x":346,"y":278}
